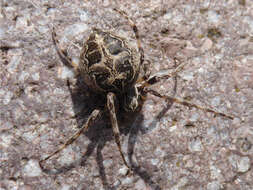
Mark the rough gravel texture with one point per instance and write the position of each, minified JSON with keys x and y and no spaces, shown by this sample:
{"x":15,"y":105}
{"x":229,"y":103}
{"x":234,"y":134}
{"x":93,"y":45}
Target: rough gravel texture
{"x":169,"y":146}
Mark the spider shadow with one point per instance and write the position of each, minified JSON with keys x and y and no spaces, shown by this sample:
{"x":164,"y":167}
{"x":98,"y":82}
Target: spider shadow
{"x":133,"y":134}
{"x":84,"y":102}
{"x":132,"y":139}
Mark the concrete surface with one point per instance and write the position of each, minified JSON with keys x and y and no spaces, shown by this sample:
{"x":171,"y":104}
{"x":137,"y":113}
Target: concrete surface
{"x":169,"y":146}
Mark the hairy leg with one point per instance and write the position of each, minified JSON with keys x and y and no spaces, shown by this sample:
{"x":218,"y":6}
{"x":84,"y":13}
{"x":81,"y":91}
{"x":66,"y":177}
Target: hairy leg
{"x":115,"y":127}
{"x":186,"y":103}
{"x":62,"y":53}
{"x":157,"y":78}
{"x":94,"y":115}
{"x":136,"y":32}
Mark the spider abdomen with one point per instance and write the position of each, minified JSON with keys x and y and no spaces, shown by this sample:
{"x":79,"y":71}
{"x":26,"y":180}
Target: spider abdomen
{"x":108,"y":63}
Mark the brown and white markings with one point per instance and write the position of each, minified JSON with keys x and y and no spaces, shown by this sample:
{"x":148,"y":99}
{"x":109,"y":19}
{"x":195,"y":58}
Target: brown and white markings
{"x":111,"y":67}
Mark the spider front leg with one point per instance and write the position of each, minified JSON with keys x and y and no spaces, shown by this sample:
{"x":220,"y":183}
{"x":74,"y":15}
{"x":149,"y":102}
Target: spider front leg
{"x":111,"y":108}
{"x":94,"y":115}
{"x":186,"y":103}
{"x":142,"y":82}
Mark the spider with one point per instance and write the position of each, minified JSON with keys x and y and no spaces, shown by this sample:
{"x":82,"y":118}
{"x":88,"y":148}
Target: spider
{"x":111,"y":67}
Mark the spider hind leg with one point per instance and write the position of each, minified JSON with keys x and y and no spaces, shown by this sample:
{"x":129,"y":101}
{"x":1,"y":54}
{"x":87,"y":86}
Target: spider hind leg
{"x":136,"y":32}
{"x":62,"y":53}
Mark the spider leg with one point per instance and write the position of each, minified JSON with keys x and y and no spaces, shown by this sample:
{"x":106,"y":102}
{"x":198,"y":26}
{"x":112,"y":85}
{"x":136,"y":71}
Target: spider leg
{"x":136,"y":32}
{"x":186,"y":103}
{"x":62,"y":53}
{"x":94,"y":115}
{"x":115,"y":127}
{"x":156,"y":78}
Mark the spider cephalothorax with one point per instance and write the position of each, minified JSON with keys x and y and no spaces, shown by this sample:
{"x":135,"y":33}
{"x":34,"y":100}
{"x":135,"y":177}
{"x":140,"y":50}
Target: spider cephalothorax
{"x":111,"y":67}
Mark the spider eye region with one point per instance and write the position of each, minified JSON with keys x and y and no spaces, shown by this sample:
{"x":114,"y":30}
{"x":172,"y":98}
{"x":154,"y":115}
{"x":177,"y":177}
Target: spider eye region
{"x":131,"y":99}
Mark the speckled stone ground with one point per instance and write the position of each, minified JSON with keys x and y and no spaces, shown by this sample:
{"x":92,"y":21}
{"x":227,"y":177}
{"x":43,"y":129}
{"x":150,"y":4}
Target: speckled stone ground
{"x":169,"y":146}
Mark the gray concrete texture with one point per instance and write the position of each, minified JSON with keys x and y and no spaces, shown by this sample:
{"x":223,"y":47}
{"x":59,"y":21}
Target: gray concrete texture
{"x":169,"y":146}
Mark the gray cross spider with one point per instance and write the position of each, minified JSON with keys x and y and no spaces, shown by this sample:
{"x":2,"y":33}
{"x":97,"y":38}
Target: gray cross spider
{"x":111,"y":67}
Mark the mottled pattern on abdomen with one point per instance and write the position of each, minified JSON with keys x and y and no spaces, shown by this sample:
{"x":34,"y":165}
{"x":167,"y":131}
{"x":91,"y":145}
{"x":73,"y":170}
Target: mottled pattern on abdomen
{"x":108,"y":63}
